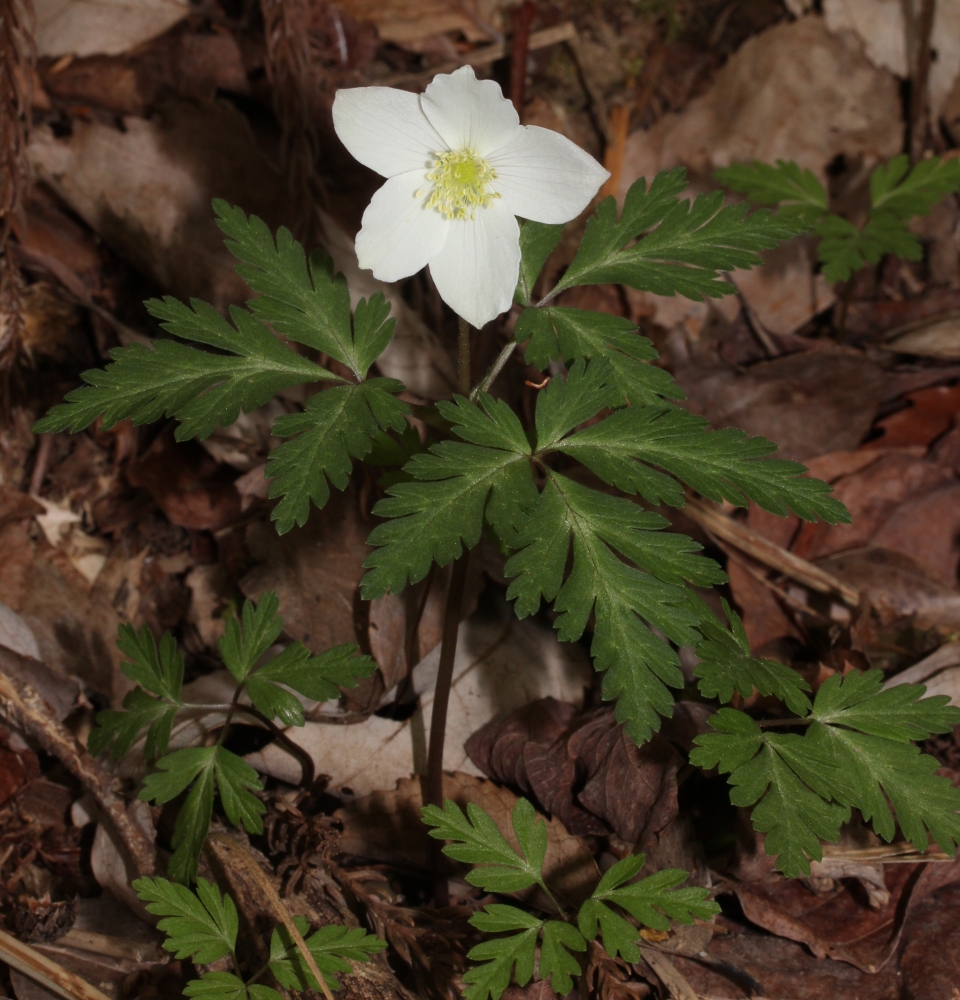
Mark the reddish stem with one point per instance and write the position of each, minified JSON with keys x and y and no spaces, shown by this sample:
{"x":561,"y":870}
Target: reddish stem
{"x":522,"y":19}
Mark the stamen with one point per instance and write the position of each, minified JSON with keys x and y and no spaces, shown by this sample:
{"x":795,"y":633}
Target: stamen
{"x":461,"y":184}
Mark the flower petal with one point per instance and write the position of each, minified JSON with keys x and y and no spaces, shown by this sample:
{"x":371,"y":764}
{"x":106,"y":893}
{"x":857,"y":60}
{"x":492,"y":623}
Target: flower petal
{"x":399,"y":235}
{"x":544,"y":177}
{"x":469,"y":113}
{"x":385,"y":129}
{"x":476,"y":271}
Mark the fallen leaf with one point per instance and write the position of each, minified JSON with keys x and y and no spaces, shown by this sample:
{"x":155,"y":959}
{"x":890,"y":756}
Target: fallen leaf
{"x":937,"y":339}
{"x":189,"y":486}
{"x":880,"y":25}
{"x":928,"y":414}
{"x":84,"y":27}
{"x":830,"y":101}
{"x":408,"y":21}
{"x":500,"y":665}
{"x":16,"y":634}
{"x":315,"y":571}
{"x":809,"y":403}
{"x":785,"y":293}
{"x":146,"y":190}
{"x":386,"y":826}
{"x":930,"y":962}
{"x":586,"y":772}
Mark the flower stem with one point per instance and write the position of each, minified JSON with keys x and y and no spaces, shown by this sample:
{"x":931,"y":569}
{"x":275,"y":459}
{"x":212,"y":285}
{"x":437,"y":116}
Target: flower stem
{"x":502,"y":358}
{"x":448,"y":650}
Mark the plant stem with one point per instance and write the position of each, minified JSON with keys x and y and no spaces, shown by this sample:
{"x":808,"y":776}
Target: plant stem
{"x":448,"y":650}
{"x":464,"y":340}
{"x":502,"y":358}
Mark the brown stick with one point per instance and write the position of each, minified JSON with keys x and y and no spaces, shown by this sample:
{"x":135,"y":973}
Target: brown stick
{"x":769,"y":553}
{"x":47,"y":973}
{"x":249,"y":863}
{"x":522,"y":19}
{"x":25,"y":708}
{"x":920,"y":76}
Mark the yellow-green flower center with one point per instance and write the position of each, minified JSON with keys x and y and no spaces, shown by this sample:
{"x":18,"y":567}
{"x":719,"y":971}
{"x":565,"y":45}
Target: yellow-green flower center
{"x":462,"y":183}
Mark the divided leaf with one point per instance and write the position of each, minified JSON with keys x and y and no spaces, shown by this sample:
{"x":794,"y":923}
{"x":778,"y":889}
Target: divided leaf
{"x":556,"y":962}
{"x":785,"y":184}
{"x":306,"y":302}
{"x":638,"y":664}
{"x":905,"y":192}
{"x":206,"y":769}
{"x":687,"y":250}
{"x":333,"y":948}
{"x":557,"y":333}
{"x":456,"y":484}
{"x":477,"y":840}
{"x":227,"y":986}
{"x":200,"y":925}
{"x":170,"y":379}
{"x":319,"y":678}
{"x":726,"y":665}
{"x":241,"y":645}
{"x":501,"y":956}
{"x":159,"y":671}
{"x":537,"y":241}
{"x":721,"y":465}
{"x":335,"y":427}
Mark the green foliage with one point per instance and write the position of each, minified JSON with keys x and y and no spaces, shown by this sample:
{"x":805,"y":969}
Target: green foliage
{"x":854,"y":753}
{"x":159,"y":671}
{"x":203,"y":925}
{"x":476,"y":839}
{"x":555,"y":333}
{"x":196,"y":387}
{"x":455,"y":485}
{"x":537,"y":241}
{"x":898,"y":192}
{"x":726,"y":666}
{"x":333,"y":948}
{"x":207,"y":771}
{"x":682,"y":247}
{"x":335,"y":427}
{"x":305,"y":302}
{"x":200,"y":925}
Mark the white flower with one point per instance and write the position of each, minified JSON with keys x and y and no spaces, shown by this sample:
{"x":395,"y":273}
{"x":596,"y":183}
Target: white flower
{"x":460,"y":167}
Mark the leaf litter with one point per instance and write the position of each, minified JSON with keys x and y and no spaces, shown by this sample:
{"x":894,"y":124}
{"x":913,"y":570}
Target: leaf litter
{"x":131,"y":525}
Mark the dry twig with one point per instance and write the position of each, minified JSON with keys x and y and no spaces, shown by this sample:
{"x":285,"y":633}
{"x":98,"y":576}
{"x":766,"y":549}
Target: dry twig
{"x":769,"y":553}
{"x":47,"y":973}
{"x":26,"y":710}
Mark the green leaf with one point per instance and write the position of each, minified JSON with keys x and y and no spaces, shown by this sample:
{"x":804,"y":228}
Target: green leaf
{"x":160,"y":671}
{"x":792,"y":780}
{"x":335,"y":427}
{"x":226,"y":986}
{"x":501,"y":956}
{"x":726,"y":665}
{"x":785,"y":184}
{"x":319,"y":678}
{"x":196,"y":387}
{"x":900,"y":713}
{"x":205,"y":768}
{"x":123,"y":728}
{"x":456,"y":485}
{"x":307,"y":303}
{"x":897,"y":189}
{"x":721,"y":465}
{"x":562,"y":334}
{"x":638,"y":664}
{"x":333,"y":948}
{"x":566,"y":403}
{"x":242,"y":645}
{"x":686,"y":251}
{"x":537,"y":241}
{"x":478,"y":841}
{"x":200,"y":925}
{"x":556,"y":962}
{"x":651,"y":901}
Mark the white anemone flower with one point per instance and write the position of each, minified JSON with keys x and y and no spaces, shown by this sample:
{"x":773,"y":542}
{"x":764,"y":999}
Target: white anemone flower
{"x":460,"y":168}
